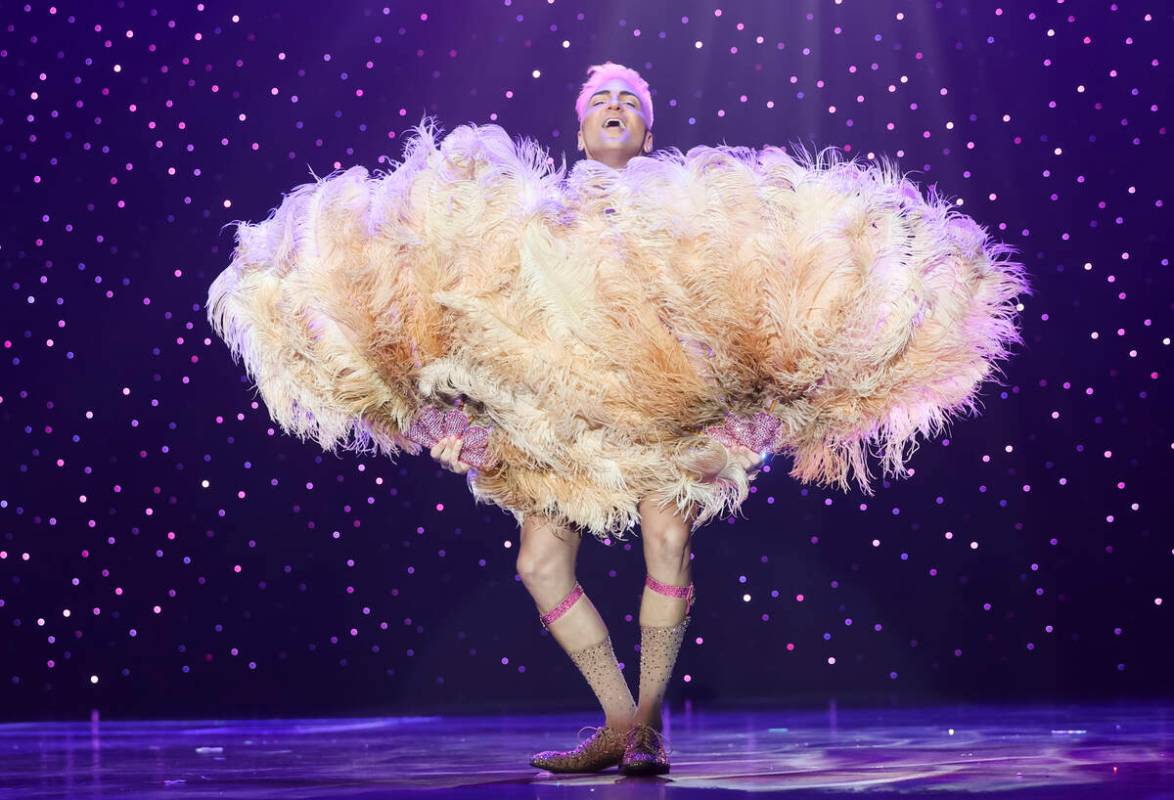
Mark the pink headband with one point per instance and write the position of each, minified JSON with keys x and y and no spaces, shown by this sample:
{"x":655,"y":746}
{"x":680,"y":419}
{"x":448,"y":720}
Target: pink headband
{"x":600,"y":74}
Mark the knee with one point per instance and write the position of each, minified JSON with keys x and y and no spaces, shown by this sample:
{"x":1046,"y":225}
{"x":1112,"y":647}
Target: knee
{"x":536,"y":569}
{"x":668,"y":542}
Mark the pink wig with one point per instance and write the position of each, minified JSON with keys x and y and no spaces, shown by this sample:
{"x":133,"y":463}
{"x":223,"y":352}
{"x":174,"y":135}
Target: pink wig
{"x":601,"y":73}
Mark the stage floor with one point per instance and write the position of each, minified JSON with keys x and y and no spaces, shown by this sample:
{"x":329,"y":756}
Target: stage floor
{"x":1070,"y":752}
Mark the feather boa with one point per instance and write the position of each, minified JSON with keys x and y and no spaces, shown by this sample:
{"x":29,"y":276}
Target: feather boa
{"x":598,"y":322}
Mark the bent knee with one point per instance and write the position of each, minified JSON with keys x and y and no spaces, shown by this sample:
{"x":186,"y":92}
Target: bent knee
{"x":669,"y":539}
{"x":537,"y":569}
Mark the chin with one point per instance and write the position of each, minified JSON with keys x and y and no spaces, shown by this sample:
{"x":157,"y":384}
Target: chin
{"x":618,"y":148}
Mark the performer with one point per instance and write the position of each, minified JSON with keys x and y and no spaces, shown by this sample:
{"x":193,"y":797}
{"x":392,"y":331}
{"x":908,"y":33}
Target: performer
{"x":615,"y":121}
{"x":620,"y":345}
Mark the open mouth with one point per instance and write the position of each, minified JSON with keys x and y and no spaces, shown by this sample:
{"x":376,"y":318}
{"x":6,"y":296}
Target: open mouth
{"x":614,"y":124}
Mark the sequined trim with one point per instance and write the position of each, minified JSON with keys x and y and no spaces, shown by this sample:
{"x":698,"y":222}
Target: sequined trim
{"x":680,"y":592}
{"x":562,"y":608}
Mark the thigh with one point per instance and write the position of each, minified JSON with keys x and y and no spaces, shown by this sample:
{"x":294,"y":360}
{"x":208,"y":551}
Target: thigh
{"x":667,"y":522}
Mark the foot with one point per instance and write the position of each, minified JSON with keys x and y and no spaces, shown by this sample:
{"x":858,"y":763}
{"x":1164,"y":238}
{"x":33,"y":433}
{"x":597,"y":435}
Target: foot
{"x":644,"y":752}
{"x":602,"y":749}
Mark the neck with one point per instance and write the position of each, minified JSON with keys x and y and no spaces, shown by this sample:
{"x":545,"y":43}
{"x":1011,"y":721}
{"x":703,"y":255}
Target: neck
{"x":612,"y":159}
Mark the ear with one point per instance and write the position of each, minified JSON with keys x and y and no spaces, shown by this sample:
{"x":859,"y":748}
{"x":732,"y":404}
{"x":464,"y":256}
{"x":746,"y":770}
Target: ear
{"x":581,"y":145}
{"x":647,"y":142}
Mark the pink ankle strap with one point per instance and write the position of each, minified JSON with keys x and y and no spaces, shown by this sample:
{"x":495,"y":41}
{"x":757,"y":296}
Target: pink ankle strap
{"x":562,"y":608}
{"x":685,"y":592}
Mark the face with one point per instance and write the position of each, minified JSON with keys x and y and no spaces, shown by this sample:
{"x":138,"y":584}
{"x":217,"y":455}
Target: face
{"x":615,"y":126}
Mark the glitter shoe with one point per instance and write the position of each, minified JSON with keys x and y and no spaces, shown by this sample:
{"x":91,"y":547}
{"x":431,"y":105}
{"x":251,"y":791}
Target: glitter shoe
{"x":644,"y":752}
{"x":602,"y":749}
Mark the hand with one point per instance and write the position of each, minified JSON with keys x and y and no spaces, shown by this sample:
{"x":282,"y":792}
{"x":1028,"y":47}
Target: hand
{"x":446,"y":452}
{"x":746,"y":458}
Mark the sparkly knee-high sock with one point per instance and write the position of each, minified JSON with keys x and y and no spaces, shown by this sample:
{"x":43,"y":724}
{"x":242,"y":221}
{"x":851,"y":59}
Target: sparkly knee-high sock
{"x":659,"y":647}
{"x":600,"y":668}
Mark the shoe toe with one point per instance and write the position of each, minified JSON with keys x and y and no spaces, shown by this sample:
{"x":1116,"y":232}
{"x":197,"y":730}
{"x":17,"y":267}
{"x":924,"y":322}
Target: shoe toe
{"x":644,"y":766}
{"x":543,"y":759}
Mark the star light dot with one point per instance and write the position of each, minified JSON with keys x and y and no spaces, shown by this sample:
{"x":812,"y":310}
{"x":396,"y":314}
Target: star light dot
{"x":146,"y":495}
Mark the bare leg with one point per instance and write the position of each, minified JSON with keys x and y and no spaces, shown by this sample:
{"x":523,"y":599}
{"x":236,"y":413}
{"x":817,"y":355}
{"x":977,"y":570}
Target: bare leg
{"x":546,"y":564}
{"x":663,"y":613}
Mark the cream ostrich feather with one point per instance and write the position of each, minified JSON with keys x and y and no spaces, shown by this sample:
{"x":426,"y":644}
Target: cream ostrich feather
{"x":598,"y":321}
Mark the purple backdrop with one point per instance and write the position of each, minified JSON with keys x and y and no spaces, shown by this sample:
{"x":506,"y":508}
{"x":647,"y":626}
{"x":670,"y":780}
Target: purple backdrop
{"x":164,"y":551}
